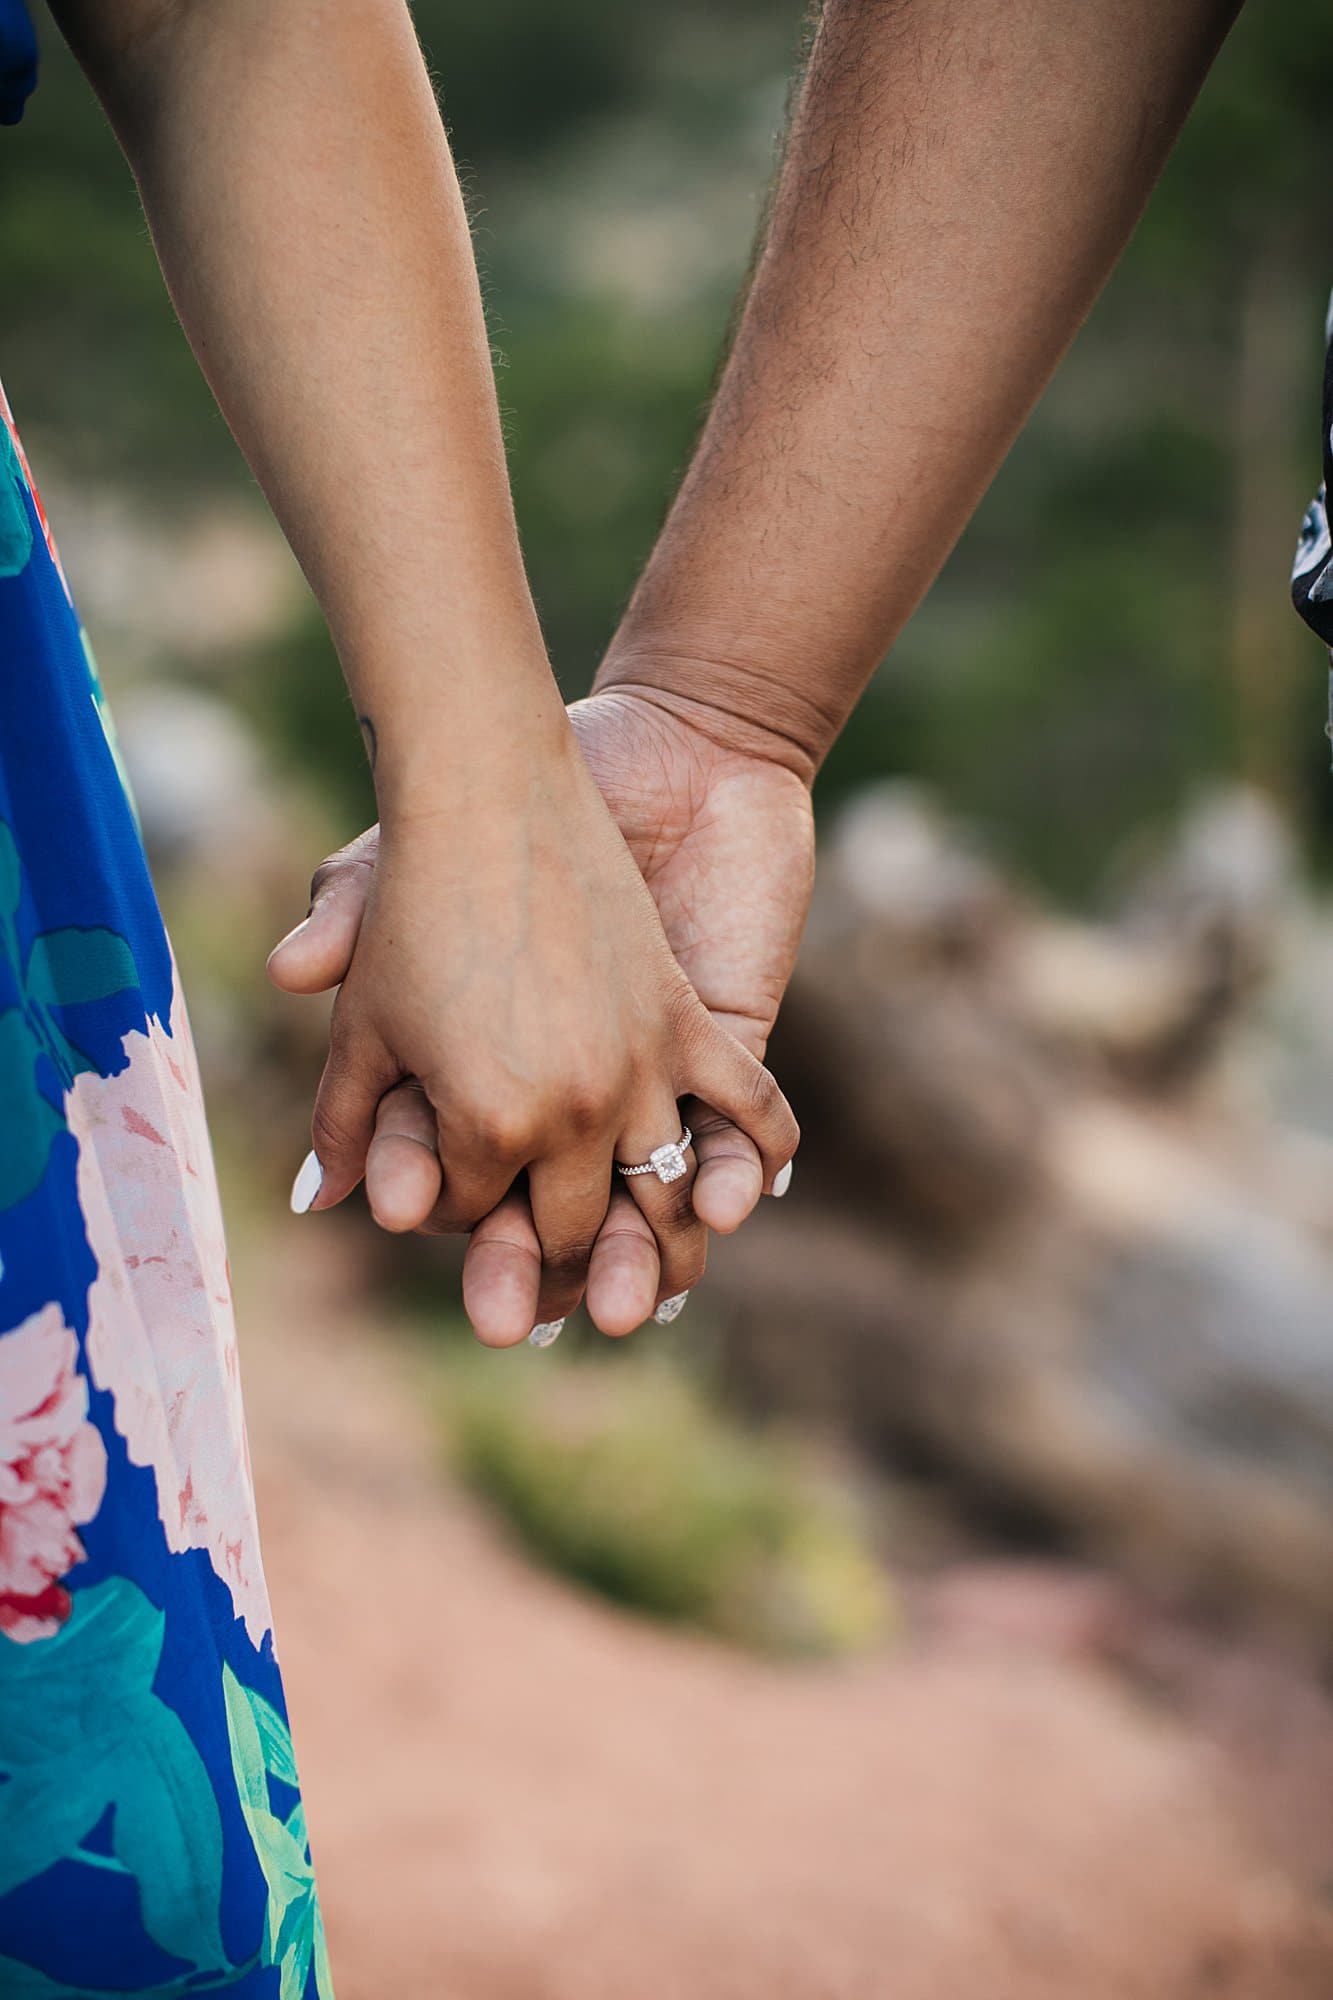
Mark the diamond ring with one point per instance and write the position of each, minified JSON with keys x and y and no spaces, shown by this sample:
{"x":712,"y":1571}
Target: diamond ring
{"x":667,"y":1162}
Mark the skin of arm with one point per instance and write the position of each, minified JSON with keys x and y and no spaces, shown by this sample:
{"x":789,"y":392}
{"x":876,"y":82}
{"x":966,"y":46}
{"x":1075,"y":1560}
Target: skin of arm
{"x":305,"y":209}
{"x":306,"y":213}
{"x":960,"y":178}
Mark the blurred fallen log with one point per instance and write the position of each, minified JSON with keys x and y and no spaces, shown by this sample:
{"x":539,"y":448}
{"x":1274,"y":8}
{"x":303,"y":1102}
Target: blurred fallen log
{"x":1044,"y":1251}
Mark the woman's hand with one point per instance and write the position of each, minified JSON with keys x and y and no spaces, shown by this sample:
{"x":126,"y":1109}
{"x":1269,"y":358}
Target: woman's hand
{"x":722,"y":832}
{"x":510,"y":962}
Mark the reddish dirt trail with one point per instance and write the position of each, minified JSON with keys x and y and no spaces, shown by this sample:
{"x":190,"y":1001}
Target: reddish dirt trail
{"x":517,"y":1794}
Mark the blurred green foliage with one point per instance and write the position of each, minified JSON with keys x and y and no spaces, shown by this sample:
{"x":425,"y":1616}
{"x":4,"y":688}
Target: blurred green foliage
{"x":1113,"y":629}
{"x":625,"y":1479}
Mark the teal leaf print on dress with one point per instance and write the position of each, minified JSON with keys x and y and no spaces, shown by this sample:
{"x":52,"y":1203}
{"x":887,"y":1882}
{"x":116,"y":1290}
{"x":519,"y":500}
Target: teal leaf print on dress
{"x":80,"y":1730}
{"x":261,"y":1747}
{"x":64,"y":969}
{"x":28,"y":1120}
{"x":11,"y":872}
{"x":70,"y":966}
{"x":175,"y":1858}
{"x":15,"y":524}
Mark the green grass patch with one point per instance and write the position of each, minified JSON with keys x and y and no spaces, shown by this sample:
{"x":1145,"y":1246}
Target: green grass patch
{"x":626,"y":1479}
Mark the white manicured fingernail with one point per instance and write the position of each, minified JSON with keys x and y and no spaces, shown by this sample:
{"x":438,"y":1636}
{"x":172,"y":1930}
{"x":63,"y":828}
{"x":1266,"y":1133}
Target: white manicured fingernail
{"x":782,"y":1180}
{"x":307,"y":1184}
{"x":671,"y":1309}
{"x":545,"y":1333}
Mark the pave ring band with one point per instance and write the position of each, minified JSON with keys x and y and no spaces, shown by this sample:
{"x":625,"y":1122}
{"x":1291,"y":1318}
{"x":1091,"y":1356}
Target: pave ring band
{"x":667,"y":1162}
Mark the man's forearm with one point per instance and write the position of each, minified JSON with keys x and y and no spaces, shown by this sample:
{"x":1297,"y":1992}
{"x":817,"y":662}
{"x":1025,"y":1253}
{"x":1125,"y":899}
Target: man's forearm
{"x":960,"y":179}
{"x":303,"y":202}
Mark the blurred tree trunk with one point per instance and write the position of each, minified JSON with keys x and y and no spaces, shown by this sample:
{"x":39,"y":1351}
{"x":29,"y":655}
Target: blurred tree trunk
{"x":1044,"y":1245}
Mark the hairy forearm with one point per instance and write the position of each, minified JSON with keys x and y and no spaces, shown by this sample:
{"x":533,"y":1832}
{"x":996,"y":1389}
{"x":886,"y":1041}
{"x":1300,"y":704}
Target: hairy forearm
{"x":299,"y":188}
{"x":960,"y":179}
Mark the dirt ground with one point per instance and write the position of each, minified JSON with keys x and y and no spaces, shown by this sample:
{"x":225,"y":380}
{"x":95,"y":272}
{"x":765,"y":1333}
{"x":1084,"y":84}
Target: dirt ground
{"x":518,"y":1794}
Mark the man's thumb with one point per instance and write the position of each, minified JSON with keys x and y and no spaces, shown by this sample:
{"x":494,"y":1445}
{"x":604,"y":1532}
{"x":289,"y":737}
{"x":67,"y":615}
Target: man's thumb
{"x":316,"y":955}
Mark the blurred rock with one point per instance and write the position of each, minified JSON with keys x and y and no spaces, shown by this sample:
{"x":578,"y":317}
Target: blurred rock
{"x":1040,"y":1248}
{"x":200,"y":779}
{"x":215,"y":579}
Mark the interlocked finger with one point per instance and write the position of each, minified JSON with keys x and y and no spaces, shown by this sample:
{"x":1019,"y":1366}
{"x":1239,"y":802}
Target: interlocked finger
{"x":666,"y":1203}
{"x":502,"y":1273}
{"x":730,"y":1178}
{"x":624,"y":1275}
{"x":569,"y":1196}
{"x":403,"y":1171}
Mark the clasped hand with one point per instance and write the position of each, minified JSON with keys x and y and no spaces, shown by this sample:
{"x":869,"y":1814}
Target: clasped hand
{"x":511,"y":1019}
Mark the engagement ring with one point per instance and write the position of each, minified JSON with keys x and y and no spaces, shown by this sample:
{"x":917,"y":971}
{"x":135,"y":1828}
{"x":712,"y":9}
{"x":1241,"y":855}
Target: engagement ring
{"x":667,"y":1162}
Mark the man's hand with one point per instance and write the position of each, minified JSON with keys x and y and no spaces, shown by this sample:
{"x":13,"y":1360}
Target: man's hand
{"x":723,"y":835}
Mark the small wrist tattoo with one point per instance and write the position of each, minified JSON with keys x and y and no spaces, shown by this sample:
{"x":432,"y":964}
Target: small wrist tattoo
{"x":372,"y":741}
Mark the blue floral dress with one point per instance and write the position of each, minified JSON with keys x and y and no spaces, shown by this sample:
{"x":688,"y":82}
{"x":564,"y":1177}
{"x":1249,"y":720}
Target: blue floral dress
{"x":152,"y":1836}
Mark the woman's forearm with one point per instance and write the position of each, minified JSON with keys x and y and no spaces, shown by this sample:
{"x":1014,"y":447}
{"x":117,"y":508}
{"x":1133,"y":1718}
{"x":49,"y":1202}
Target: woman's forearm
{"x":510,"y":962}
{"x":304,"y":205}
{"x":961,"y":176}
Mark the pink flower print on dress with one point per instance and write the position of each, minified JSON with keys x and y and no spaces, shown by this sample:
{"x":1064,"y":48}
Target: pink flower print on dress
{"x":162,"y":1335}
{"x":52,"y":1473}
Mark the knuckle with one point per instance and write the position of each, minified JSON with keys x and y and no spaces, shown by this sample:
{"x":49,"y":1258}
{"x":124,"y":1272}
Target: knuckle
{"x":322,"y":877}
{"x":687,"y":1023}
{"x":332,"y":1132}
{"x":764,"y":1105}
{"x":328,"y":876}
{"x":586,"y":1106}
{"x":762,"y":1095}
{"x":501,"y":1129}
{"x":339,"y":867}
{"x":359,"y":1063}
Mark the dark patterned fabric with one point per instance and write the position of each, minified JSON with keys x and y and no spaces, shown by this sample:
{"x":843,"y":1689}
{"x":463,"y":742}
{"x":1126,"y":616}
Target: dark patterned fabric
{"x":18,"y":60}
{"x":1312,"y":576}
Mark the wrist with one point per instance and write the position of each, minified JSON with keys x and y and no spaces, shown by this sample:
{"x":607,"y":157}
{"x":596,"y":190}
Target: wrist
{"x":461,"y":769}
{"x":744,"y":703}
